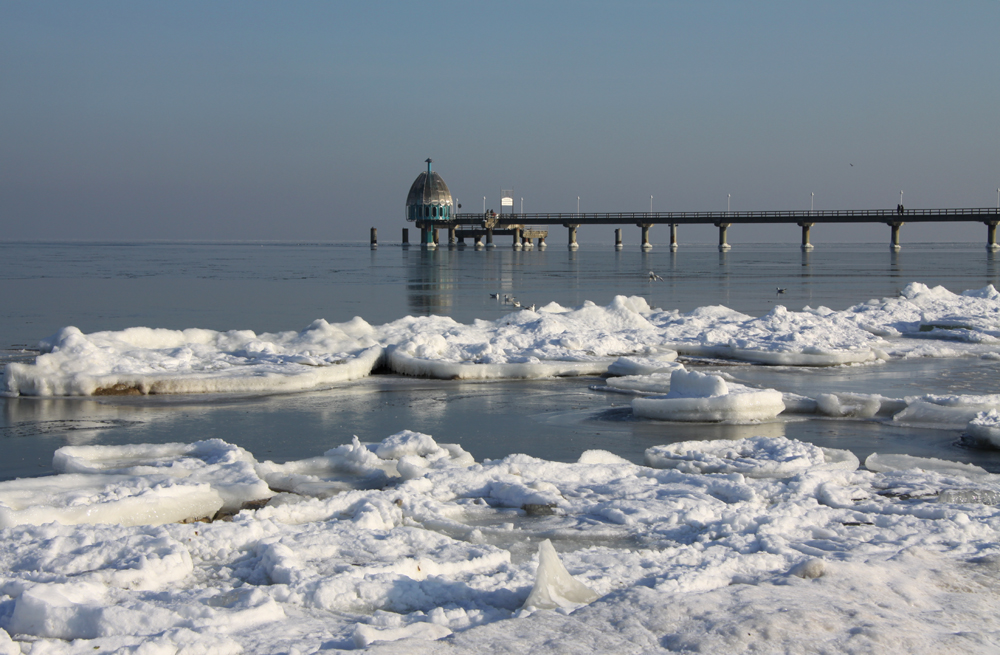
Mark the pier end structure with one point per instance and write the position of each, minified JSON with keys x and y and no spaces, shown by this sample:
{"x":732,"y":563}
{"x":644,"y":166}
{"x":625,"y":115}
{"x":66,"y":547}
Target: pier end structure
{"x":429,"y":205}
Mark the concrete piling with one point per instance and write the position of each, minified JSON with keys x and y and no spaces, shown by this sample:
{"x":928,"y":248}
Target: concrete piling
{"x":673,"y":237}
{"x":572,"y":236}
{"x":618,"y":239}
{"x":805,"y":236}
{"x":723,"y":244}
{"x":991,"y":236}
{"x":646,"y":245}
{"x":374,"y":238}
{"x":406,"y":236}
{"x":489,"y":238}
{"x":894,"y":241}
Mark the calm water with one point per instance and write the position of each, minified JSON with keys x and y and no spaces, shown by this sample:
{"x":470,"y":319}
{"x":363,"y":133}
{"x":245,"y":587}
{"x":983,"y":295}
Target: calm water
{"x":276,"y":287}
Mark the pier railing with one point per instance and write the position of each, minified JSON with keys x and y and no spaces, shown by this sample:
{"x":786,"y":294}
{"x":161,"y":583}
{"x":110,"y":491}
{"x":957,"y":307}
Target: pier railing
{"x":978,"y":214}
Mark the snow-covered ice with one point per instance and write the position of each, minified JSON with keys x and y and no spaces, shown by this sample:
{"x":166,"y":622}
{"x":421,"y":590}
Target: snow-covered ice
{"x":626,"y":337}
{"x":698,"y":396}
{"x":763,"y":544}
{"x":409,"y":545}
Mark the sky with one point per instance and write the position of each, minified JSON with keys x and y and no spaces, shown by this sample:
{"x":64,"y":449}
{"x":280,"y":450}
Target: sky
{"x":310,"y":120}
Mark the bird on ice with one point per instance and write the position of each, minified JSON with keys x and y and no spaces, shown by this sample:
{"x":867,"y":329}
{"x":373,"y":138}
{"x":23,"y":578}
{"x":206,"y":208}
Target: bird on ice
{"x":781,"y":290}
{"x":654,"y":277}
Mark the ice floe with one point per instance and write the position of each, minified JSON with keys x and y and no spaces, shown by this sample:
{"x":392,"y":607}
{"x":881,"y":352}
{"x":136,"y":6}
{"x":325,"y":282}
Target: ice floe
{"x":144,"y":361}
{"x":792,"y":544}
{"x":698,"y":396}
{"x":626,"y":338}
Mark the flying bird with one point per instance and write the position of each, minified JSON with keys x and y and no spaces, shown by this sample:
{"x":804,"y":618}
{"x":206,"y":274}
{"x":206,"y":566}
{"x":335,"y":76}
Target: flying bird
{"x":654,"y":277}
{"x":495,"y":295}
{"x":781,"y":290}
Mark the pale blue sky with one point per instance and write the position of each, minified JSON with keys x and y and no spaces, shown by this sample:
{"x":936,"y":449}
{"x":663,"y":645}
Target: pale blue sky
{"x":309,"y":120}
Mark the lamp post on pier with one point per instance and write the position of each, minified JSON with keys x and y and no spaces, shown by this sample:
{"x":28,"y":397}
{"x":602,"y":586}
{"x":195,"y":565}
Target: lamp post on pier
{"x":812,"y":200}
{"x":729,"y":198}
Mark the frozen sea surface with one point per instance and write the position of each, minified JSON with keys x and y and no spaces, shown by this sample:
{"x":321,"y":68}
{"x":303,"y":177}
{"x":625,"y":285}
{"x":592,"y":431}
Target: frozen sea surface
{"x":399,"y":514}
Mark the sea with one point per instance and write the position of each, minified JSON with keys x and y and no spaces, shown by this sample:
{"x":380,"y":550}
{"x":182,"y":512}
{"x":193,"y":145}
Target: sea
{"x":276,"y":287}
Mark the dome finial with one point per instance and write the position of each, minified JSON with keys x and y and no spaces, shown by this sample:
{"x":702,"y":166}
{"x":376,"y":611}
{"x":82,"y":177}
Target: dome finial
{"x":428,"y":160}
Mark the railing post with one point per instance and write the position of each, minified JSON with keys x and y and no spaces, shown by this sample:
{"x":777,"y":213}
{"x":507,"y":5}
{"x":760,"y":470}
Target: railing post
{"x":805,"y":236}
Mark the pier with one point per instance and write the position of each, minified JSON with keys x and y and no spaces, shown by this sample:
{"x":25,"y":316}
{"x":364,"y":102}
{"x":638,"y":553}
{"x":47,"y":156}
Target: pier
{"x":482,"y":227}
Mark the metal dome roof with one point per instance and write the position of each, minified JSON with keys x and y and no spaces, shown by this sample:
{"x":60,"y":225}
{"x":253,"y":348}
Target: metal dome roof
{"x":429,"y":189}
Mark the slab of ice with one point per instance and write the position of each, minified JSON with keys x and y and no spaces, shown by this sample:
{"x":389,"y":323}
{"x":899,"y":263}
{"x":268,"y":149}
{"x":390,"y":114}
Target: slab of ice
{"x":946,"y":410}
{"x":135,"y":485}
{"x":886,"y":463}
{"x":554,"y":586}
{"x":550,"y":342}
{"x":698,"y":396}
{"x":857,"y":405}
{"x":156,"y":361}
{"x":780,"y":337}
{"x":756,"y":457}
{"x":406,"y":454}
{"x":652,"y":383}
{"x":726,"y":562}
{"x":661,"y":362}
{"x":920,"y":310}
{"x":985,"y":427}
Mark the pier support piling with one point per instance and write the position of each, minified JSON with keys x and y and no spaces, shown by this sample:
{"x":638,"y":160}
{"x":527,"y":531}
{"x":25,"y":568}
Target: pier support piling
{"x":451,"y":235}
{"x":489,"y":239}
{"x":723,"y":244}
{"x":673,"y":237}
{"x":991,"y":236}
{"x":478,"y":245}
{"x":517,"y":238}
{"x":572,"y":236}
{"x":805,"y":236}
{"x":406,"y":236}
{"x":374,"y":238}
{"x":894,"y":242}
{"x":646,"y":245}
{"x":618,"y":239}
{"x":541,"y":243}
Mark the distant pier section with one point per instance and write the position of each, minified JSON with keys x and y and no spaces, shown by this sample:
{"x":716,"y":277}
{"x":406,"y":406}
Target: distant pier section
{"x":430,"y":207}
{"x":894,"y":218}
